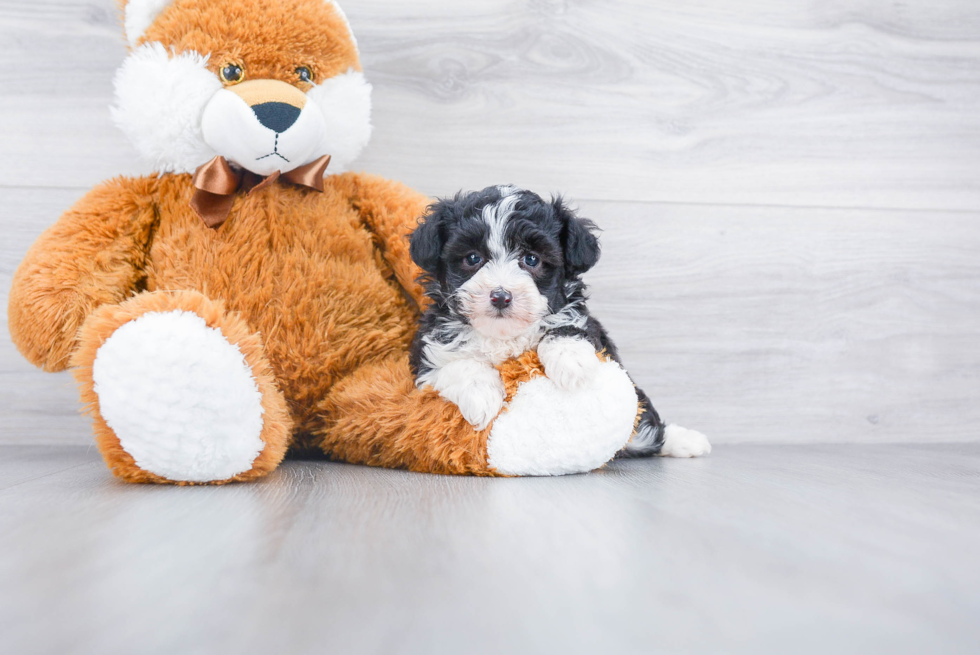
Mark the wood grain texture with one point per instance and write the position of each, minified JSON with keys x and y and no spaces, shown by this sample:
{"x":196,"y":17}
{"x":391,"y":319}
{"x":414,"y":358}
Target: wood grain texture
{"x":755,"y":549}
{"x":35,"y":407}
{"x":806,"y":325}
{"x":795,"y":103}
{"x":711,"y":140}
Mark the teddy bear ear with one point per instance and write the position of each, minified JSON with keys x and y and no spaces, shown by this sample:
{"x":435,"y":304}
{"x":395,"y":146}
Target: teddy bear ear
{"x":138,"y":15}
{"x":343,"y":17}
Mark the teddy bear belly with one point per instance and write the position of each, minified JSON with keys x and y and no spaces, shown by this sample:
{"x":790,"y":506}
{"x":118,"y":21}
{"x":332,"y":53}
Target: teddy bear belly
{"x":320,"y":318}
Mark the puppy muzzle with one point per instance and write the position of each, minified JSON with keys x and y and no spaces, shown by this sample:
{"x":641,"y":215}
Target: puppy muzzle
{"x":264,"y":126}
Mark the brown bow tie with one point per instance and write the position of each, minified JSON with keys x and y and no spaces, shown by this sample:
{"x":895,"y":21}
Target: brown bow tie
{"x":217,"y":183}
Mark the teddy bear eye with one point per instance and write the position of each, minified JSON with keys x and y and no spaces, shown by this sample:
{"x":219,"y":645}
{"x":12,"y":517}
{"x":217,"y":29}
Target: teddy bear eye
{"x":305,"y":74}
{"x":232,"y":74}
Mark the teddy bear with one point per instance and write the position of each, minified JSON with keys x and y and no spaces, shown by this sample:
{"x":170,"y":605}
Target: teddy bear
{"x":250,"y":296}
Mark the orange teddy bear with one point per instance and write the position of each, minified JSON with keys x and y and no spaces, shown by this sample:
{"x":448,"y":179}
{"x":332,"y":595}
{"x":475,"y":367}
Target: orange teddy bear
{"x":238,"y":303}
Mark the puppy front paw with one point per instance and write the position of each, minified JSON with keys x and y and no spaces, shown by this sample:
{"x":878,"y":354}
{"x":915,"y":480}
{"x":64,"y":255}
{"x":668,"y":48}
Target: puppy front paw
{"x":474,"y":387}
{"x":571,"y":363}
{"x":479,"y":404}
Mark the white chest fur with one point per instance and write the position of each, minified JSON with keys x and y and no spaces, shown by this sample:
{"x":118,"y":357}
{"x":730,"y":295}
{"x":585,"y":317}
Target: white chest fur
{"x":472,"y":345}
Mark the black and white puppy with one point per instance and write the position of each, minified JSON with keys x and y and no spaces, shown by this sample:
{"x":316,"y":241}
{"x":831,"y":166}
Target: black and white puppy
{"x":503,"y":267}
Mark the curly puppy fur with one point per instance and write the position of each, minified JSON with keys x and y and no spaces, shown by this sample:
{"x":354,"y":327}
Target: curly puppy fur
{"x":503,"y":269}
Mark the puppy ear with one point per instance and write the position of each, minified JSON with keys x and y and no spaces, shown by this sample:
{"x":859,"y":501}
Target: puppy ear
{"x":428,"y":238}
{"x":578,"y":241}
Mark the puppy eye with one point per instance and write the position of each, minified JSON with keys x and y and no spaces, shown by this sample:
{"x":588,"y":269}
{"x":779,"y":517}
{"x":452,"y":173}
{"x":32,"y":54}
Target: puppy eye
{"x":531,"y":260}
{"x":305,"y":74}
{"x":472,"y":259}
{"x":232,"y":74}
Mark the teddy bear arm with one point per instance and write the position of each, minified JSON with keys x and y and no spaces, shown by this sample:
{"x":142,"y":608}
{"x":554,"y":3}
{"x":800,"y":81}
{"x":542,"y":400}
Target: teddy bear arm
{"x":377,"y":416}
{"x":391,"y":211}
{"x":93,"y":255}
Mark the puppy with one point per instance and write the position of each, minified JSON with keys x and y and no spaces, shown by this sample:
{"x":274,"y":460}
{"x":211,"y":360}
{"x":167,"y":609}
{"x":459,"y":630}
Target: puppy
{"x":503,"y":268}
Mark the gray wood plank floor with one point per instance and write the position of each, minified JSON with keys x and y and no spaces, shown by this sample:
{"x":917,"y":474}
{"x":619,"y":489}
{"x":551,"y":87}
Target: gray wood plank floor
{"x":756,"y":549}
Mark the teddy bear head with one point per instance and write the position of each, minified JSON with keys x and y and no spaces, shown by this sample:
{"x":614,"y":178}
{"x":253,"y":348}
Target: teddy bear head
{"x":270,"y":85}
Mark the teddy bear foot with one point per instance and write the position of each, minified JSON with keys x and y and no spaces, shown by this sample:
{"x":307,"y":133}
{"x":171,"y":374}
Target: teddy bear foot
{"x":177,"y":397}
{"x":546,"y":430}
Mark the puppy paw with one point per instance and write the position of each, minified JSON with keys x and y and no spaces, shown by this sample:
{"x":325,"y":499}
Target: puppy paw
{"x":474,"y":387}
{"x":479,"y":404}
{"x":570,"y":363}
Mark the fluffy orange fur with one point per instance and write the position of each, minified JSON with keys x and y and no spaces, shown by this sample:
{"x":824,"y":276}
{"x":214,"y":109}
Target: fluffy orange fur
{"x":268,"y":38}
{"x":316,"y":289}
{"x":320,"y":295}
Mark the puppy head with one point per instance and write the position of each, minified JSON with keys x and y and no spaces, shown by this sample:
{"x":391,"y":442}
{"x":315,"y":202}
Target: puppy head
{"x":503,"y":257}
{"x":270,"y":85}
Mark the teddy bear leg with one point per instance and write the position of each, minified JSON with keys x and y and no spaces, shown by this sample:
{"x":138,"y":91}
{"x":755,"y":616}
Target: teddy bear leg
{"x":180,"y":391}
{"x":547,"y":430}
{"x":378,"y":417}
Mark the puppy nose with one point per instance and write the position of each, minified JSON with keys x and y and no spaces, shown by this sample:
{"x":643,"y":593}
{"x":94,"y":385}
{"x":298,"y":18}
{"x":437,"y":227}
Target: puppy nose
{"x":500,"y":298}
{"x":277,"y":116}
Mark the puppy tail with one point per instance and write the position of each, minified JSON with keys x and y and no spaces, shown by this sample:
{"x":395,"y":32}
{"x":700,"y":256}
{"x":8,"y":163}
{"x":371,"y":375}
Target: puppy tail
{"x":648,"y":439}
{"x":653,"y":438}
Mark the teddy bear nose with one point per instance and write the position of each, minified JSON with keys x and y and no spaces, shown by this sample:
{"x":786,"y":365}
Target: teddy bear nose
{"x":277,"y":116}
{"x":500,"y":298}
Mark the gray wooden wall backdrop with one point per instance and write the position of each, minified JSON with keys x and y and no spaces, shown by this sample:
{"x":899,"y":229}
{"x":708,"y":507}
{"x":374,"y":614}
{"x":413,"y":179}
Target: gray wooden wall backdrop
{"x":790,"y":189}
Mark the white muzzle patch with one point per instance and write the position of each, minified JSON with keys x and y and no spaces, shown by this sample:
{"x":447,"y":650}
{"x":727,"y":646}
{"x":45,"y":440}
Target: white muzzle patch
{"x":526,"y":307}
{"x":262,"y":145}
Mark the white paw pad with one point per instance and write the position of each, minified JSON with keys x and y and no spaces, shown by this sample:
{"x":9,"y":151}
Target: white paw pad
{"x":473,"y":386}
{"x":181,"y":399}
{"x":478,"y":403}
{"x":569,"y":362}
{"x":681,"y":442}
{"x":547,"y":430}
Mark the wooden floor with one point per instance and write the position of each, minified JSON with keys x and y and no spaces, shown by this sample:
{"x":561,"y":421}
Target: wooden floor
{"x":755,"y":549}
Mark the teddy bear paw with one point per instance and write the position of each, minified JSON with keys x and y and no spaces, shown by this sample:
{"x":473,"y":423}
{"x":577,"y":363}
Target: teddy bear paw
{"x":547,"y":430}
{"x":180,"y":397}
